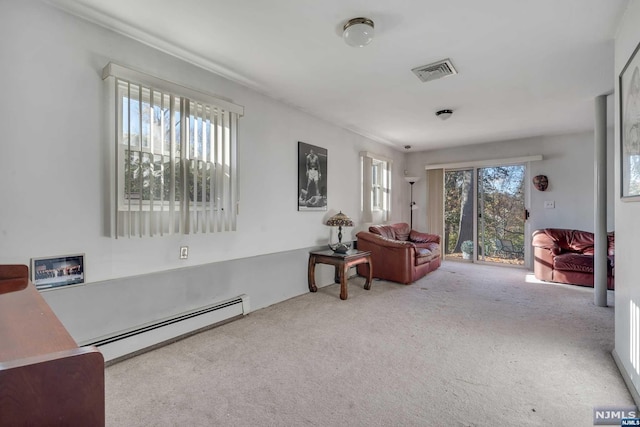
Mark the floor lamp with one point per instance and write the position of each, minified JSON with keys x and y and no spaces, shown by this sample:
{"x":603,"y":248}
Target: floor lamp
{"x":412,"y":180}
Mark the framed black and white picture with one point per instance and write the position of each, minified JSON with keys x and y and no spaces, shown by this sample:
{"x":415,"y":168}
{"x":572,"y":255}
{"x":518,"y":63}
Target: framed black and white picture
{"x":56,"y":272}
{"x":630,"y":128}
{"x":312,"y":177}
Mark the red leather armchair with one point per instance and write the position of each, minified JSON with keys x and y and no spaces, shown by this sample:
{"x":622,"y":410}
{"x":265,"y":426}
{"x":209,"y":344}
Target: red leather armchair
{"x":566,"y":256}
{"x":398,"y":253}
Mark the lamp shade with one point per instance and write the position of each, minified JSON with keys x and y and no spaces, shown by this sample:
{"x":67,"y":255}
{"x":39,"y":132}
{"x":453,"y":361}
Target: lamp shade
{"x":412,"y":179}
{"x":340,"y":220}
{"x":358,"y":32}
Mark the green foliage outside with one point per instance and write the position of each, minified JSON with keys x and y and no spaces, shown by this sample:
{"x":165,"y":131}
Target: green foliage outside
{"x":148,"y":177}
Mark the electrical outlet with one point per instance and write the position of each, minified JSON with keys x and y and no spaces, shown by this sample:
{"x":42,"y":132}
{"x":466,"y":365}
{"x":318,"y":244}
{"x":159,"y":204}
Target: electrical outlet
{"x":549,"y":204}
{"x":184,"y":252}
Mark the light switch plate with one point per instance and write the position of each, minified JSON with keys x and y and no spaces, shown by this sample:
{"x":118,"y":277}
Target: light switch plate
{"x":549,"y":204}
{"x":184,"y":252}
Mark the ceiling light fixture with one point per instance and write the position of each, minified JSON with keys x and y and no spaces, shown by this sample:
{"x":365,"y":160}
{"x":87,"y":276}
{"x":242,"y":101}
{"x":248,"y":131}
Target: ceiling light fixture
{"x":358,"y":32}
{"x":444,"y":114}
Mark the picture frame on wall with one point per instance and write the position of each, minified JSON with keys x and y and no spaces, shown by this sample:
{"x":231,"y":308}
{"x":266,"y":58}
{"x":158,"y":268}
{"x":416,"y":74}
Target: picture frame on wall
{"x":629,"y":87}
{"x":312,"y":177}
{"x":58,"y":271}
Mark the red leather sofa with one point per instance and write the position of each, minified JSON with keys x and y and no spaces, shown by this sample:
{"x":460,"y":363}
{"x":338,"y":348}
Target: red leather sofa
{"x":566,"y":256}
{"x":398,"y":253}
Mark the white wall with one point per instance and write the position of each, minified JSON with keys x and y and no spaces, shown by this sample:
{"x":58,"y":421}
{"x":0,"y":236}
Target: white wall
{"x":55,"y":171}
{"x":568,"y":162}
{"x":627,"y":216}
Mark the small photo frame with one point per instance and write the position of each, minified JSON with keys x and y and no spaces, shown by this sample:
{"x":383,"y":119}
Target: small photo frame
{"x":312,"y":177}
{"x":58,"y":271}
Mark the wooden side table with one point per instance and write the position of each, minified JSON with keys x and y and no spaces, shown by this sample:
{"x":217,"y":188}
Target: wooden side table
{"x":342,"y":263}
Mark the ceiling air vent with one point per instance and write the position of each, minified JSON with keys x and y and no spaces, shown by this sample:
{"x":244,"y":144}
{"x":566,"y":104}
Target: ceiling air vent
{"x":435,"y":70}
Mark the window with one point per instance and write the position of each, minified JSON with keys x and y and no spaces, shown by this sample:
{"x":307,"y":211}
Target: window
{"x":378,"y":178}
{"x":175,"y":157}
{"x":376,"y":187}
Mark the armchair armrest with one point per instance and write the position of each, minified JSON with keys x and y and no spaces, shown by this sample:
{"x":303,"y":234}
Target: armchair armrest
{"x":544,"y":251}
{"x":544,"y":241}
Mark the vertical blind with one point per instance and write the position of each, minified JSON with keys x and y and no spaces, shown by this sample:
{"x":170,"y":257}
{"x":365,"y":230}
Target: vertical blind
{"x":176,"y":157}
{"x":435,"y":201}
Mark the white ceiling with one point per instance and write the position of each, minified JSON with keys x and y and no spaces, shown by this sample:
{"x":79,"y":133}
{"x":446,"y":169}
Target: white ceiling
{"x":526,"y":68}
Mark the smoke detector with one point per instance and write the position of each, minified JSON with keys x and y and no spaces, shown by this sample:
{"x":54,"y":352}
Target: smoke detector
{"x":435,"y":70}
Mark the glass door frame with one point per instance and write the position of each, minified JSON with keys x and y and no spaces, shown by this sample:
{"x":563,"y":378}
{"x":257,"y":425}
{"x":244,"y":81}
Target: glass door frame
{"x":474,"y":166}
{"x":476,"y":212}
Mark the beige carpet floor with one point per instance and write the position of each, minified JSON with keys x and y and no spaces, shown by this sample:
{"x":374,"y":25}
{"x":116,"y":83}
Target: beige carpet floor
{"x":468,"y":345}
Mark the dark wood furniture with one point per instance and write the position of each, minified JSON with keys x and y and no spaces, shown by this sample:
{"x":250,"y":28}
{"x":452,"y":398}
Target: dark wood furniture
{"x":45,"y":378}
{"x":342,"y":263}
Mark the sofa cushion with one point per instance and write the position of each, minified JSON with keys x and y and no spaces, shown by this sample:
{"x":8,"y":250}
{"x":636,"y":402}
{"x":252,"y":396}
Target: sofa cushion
{"x":385,"y":231}
{"x":582,"y":242}
{"x":574,"y":262}
{"x":418,"y":237}
{"x":399,"y":231}
{"x":402,"y":231}
{"x":571,"y":240}
{"x":424,"y":255}
{"x":561,"y":237}
{"x":431,"y":246}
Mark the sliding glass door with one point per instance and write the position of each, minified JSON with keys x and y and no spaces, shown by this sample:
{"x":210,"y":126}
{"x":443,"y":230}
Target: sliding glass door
{"x":484,"y":214}
{"x":500,"y":219}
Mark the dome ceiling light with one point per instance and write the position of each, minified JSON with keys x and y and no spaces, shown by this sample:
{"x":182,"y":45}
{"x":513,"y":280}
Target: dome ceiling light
{"x":358,"y":32}
{"x":444,"y":114}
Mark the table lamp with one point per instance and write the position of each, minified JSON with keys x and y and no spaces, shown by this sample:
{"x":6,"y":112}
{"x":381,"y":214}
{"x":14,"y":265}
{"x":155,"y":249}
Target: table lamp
{"x":340,"y":220}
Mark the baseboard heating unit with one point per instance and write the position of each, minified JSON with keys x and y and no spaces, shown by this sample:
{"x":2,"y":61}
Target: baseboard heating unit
{"x":146,"y":337}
